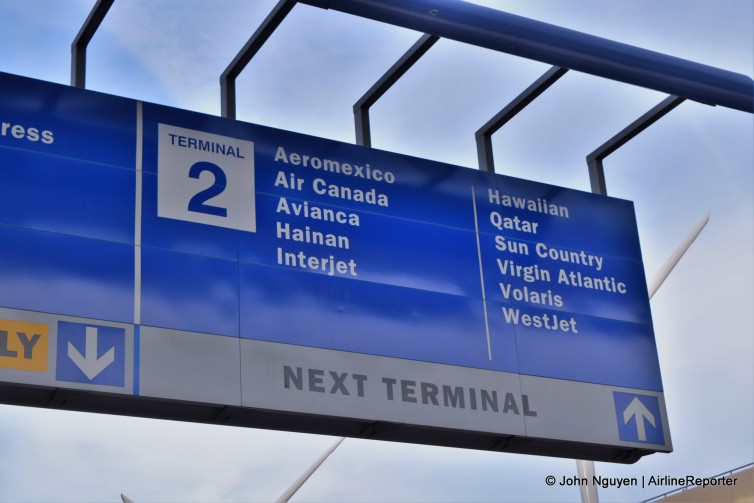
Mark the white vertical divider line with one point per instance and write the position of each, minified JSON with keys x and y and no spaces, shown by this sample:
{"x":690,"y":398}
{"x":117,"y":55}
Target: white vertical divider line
{"x":137,"y":212}
{"x":481,"y":274}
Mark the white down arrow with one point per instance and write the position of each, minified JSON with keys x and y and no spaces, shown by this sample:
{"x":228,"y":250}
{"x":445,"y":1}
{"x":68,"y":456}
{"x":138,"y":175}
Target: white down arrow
{"x":89,"y":363}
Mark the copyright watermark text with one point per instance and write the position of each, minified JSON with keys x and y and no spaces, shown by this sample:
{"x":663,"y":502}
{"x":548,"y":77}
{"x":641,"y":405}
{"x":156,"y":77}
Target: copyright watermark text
{"x":644,"y":481}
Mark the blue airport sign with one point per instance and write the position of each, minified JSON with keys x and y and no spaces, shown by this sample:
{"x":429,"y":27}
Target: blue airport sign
{"x":175,"y":222}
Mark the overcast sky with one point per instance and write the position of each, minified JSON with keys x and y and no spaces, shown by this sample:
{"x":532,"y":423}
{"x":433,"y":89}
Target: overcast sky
{"x":698,"y":159}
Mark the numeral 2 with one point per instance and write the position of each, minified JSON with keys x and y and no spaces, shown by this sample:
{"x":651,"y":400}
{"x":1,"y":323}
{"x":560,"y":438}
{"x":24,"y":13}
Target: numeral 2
{"x":198,"y":203}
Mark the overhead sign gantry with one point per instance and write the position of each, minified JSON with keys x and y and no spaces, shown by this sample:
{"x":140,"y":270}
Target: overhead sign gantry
{"x":200,"y":268}
{"x":272,"y":278}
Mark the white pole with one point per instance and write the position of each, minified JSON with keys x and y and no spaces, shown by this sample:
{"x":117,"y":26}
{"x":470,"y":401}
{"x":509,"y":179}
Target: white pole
{"x":287,"y":495}
{"x":585,"y":469}
{"x":668,"y":266}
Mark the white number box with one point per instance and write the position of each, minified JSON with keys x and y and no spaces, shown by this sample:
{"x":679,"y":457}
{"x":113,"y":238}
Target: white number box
{"x":205,"y":178}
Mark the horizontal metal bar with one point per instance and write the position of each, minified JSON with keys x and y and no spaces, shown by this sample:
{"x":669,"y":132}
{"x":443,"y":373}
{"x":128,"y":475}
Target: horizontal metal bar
{"x":500,"y":31}
{"x":84,"y":36}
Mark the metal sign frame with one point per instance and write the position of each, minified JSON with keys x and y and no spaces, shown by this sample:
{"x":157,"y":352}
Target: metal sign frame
{"x":462,"y":22}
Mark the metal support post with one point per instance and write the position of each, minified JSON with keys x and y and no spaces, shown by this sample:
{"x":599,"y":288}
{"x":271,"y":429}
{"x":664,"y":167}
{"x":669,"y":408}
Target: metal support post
{"x":585,"y":470}
{"x":78,"y":47}
{"x":484,"y":134}
{"x":594,"y":160}
{"x":257,"y":40}
{"x":395,"y":72}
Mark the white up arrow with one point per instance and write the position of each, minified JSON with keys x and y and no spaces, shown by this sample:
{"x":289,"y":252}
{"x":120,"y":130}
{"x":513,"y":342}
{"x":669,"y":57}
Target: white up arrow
{"x":89,"y":364}
{"x":640,"y":412}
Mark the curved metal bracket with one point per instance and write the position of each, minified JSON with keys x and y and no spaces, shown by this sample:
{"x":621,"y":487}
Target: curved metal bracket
{"x":78,"y":47}
{"x":594,"y":160}
{"x":257,"y":40}
{"x":484,"y":134}
{"x":395,"y":72}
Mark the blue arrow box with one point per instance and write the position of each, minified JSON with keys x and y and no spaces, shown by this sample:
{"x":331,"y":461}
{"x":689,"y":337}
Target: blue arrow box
{"x":631,"y":408}
{"x":92,"y":358}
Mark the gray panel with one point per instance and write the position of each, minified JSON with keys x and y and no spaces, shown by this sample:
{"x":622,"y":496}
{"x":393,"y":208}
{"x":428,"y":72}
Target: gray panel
{"x":582,"y":412}
{"x":336,"y":383}
{"x":189,"y":366}
{"x":283,"y":377}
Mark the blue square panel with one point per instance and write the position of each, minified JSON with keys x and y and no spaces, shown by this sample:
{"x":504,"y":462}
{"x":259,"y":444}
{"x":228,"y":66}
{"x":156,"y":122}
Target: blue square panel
{"x":65,"y":195}
{"x":639,"y":418}
{"x":328,"y":312}
{"x":67,"y":121}
{"x":189,"y":292}
{"x":182,"y":236}
{"x":91,"y":354}
{"x":368,"y":247}
{"x":55,"y":273}
{"x":582,"y":348}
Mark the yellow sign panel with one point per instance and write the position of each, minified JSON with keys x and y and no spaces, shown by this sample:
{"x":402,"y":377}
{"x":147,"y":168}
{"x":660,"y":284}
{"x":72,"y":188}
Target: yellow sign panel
{"x":23,"y":345}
